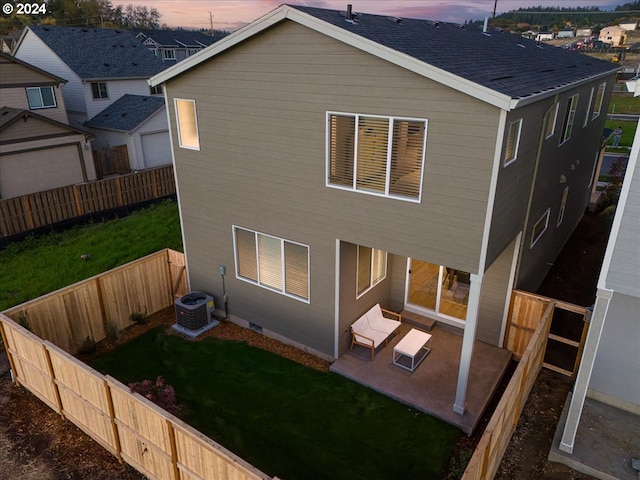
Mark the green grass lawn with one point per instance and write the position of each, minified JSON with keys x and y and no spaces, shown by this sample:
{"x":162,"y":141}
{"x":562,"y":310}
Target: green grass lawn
{"x":284,"y":418}
{"x":41,"y":264}
{"x":624,"y":105}
{"x":628,"y":132}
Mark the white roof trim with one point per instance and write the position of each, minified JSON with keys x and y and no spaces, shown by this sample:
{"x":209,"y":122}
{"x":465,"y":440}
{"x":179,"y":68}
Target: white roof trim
{"x":403,"y":60}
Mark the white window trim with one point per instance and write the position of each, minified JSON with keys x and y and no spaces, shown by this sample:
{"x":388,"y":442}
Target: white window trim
{"x":168,"y":54}
{"x":563,"y":205}
{"x":39,"y":89}
{"x":587,"y":113}
{"x":282,"y":291}
{"x":597,"y":109}
{"x":555,"y":120}
{"x":509,"y":161}
{"x":572,"y":108}
{"x":391,"y":120}
{"x":545,"y":218}
{"x":195,"y":113}
{"x":106,"y":90}
{"x":372,"y":284}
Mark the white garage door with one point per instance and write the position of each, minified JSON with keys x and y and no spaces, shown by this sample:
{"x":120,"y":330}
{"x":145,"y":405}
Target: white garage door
{"x":39,"y":170}
{"x":156,"y":149}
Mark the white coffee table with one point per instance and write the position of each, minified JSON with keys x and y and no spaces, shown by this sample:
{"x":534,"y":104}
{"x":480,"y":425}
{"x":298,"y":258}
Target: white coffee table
{"x":412,"y":349}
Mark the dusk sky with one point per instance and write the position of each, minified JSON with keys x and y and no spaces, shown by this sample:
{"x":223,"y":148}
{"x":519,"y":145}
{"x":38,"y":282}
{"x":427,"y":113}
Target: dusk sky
{"x":233,"y":14}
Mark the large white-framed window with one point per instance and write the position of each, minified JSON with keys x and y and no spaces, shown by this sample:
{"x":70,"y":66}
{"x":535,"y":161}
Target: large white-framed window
{"x":187,"y":123}
{"x":550,"y":119}
{"x":563,"y":204}
{"x":597,"y":101}
{"x":99,"y":90}
{"x":540,"y":227}
{"x":372,"y":268}
{"x":272,"y":262}
{"x":376,"y":155}
{"x":569,"y":118}
{"x":589,"y":107}
{"x":41,"y":97}
{"x":513,"y":141}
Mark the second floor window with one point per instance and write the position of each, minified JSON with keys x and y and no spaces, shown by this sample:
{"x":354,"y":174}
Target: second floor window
{"x":597,"y":101}
{"x":99,"y":90}
{"x":157,"y":90}
{"x":41,"y":97}
{"x":376,"y":155}
{"x":168,"y":54}
{"x":569,"y":118}
{"x":187,"y":123}
{"x":513,"y":141}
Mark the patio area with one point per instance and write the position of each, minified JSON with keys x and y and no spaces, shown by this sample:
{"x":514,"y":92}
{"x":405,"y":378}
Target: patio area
{"x":431,"y":388}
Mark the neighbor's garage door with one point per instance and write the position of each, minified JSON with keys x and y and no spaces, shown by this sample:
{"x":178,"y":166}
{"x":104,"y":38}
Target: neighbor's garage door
{"x":156,"y":149}
{"x":39,"y":170}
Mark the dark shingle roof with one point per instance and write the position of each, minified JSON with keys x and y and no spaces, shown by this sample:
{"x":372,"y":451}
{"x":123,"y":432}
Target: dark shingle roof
{"x":100,"y":53}
{"x":503,"y":62}
{"x":126,"y":113}
{"x":179,"y":38}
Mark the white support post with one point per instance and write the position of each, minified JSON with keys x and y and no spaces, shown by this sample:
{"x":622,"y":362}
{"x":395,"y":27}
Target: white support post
{"x":468,"y":340}
{"x":584,"y":372}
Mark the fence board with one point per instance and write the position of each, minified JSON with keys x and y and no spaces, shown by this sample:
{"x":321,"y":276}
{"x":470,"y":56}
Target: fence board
{"x":21,"y":214}
{"x":177,"y":275}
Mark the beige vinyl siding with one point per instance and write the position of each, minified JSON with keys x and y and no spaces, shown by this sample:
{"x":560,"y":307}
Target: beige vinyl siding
{"x":262,"y":110}
{"x":33,"y":127}
{"x":17,"y":98}
{"x":14,"y":73}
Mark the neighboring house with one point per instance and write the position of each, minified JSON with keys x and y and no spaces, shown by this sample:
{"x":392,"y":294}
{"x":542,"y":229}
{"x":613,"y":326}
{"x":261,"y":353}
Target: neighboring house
{"x":7,"y":42}
{"x":628,"y":26}
{"x":609,"y":371}
{"x":140,"y":123}
{"x":584,"y":32}
{"x":38,"y":153}
{"x":99,"y":64}
{"x":27,"y":87}
{"x":544,"y":36}
{"x":175,"y":45}
{"x":328,"y":162}
{"x":614,"y":36}
{"x":566,"y":33}
{"x":38,"y":149}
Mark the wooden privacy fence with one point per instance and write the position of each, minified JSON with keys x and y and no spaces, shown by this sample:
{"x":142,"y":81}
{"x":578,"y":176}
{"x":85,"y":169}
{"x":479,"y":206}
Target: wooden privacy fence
{"x":132,"y":428}
{"x":95,"y":306}
{"x":29,"y":212}
{"x":111,"y":160}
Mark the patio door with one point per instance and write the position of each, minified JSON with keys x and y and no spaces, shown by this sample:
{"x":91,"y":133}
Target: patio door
{"x":437,"y":290}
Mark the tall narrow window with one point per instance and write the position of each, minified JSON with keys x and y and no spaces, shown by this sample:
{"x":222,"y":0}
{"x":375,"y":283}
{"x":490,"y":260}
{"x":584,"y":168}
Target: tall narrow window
{"x":99,"y":90}
{"x":569,"y":117}
{"x":376,"y":155}
{"x":513,"y":140}
{"x":563,"y":204}
{"x":187,"y":123}
{"x":597,"y":102}
{"x":539,"y":228}
{"x":41,"y":97}
{"x":372,"y":268}
{"x":550,"y":118}
{"x":589,"y":107}
{"x":271,"y":262}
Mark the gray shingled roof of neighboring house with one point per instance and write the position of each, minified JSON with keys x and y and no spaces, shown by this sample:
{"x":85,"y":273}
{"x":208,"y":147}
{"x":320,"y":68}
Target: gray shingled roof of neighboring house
{"x":100,"y":53}
{"x":179,"y":38}
{"x":501,"y":61}
{"x":126,"y":113}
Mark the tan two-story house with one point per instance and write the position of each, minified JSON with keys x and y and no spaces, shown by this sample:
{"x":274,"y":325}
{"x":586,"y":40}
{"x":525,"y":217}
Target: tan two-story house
{"x":327,"y":161}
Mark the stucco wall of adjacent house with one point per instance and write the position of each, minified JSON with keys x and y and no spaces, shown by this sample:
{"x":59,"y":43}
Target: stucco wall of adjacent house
{"x":570,"y":164}
{"x":34,"y":51}
{"x":261,"y":111}
{"x":616,"y":369}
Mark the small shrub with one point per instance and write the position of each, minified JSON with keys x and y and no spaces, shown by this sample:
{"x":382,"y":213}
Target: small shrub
{"x":140,"y":318}
{"x":159,"y":392}
{"x":88,"y":346}
{"x":112,"y":331}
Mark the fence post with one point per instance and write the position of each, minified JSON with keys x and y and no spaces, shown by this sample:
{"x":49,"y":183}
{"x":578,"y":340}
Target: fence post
{"x":103,"y":313}
{"x":27,"y":208}
{"x":155,"y":183}
{"x":485,"y":457}
{"x":174,"y":449}
{"x":53,"y":380}
{"x":76,"y":196}
{"x":119,"y":189}
{"x":5,"y":342}
{"x":112,"y":417}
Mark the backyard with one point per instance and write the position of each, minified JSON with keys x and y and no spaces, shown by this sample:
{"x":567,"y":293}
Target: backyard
{"x":34,"y":437}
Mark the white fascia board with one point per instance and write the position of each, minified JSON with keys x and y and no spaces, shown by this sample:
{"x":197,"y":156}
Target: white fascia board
{"x":620,"y":209}
{"x":393,"y":56}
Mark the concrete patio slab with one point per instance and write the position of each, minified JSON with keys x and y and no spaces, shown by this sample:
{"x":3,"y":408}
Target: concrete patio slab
{"x":431,"y":388}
